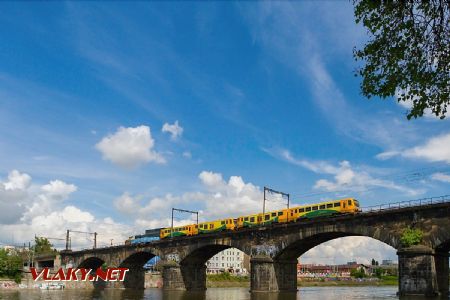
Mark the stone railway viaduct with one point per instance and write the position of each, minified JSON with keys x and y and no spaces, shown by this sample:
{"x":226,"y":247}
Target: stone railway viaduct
{"x":274,"y":249}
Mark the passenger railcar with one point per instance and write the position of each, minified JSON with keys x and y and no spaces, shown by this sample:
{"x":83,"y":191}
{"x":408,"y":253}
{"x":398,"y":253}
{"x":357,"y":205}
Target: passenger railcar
{"x":293,"y":214}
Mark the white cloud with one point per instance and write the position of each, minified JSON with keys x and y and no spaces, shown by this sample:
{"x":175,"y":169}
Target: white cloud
{"x":341,"y":250}
{"x":187,"y":154}
{"x":51,"y":195}
{"x":435,"y":149}
{"x":218,"y":198}
{"x":13,"y":196}
{"x":58,"y":190}
{"x":174,"y":129}
{"x":345,"y":177}
{"x":27,"y":209}
{"x":441,"y":177}
{"x":387,"y":155}
{"x":211,"y":179}
{"x":17,"y":181}
{"x":130,"y":147}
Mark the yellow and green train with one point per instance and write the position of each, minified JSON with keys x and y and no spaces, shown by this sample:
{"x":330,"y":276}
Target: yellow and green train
{"x":293,"y":214}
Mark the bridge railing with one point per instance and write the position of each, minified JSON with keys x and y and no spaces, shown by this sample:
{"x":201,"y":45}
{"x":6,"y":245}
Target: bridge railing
{"x":407,"y":203}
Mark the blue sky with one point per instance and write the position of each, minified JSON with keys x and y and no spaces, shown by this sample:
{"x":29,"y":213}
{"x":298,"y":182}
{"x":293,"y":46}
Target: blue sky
{"x":262,"y":93}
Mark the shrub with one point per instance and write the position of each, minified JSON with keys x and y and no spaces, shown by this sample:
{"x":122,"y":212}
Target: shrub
{"x":411,"y":236}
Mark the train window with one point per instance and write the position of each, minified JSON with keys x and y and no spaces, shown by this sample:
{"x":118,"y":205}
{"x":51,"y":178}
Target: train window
{"x":349,"y":202}
{"x":211,"y":226}
{"x":315,"y":208}
{"x":301,"y":210}
{"x":274,"y":214}
{"x":308,"y":209}
{"x":223,"y":222}
{"x":252,"y":219}
{"x":266,"y":217}
{"x":246,"y":219}
{"x":280,"y":213}
{"x":322,"y":206}
{"x":329,"y":205}
{"x":337,"y":204}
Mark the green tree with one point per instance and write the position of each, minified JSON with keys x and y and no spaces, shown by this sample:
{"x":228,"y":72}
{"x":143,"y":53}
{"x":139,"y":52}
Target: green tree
{"x":408,"y":54}
{"x":42,"y":245}
{"x":10,"y":265}
{"x":378,"y":272}
{"x":358,"y":273}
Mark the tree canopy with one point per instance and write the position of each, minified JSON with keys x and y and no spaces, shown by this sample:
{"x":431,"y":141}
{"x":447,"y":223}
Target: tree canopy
{"x":42,"y":245}
{"x":408,"y":52}
{"x":10,"y":265}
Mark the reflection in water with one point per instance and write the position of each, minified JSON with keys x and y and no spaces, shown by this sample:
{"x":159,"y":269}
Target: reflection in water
{"x":274,"y":296}
{"x":305,"y":293}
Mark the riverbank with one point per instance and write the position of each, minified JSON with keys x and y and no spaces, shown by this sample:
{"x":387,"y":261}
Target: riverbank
{"x":223,"y":280}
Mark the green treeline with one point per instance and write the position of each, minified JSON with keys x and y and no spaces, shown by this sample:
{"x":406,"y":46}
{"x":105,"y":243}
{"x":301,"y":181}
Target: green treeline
{"x":10,"y":265}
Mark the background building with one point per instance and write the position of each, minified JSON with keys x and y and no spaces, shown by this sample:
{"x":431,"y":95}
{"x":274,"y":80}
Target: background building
{"x":231,"y":260}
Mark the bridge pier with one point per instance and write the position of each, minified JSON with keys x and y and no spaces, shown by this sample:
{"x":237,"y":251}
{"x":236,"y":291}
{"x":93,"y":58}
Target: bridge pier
{"x":135,"y":278}
{"x":190,"y":277}
{"x":442,"y":272}
{"x":422,"y":271}
{"x":268,"y":275}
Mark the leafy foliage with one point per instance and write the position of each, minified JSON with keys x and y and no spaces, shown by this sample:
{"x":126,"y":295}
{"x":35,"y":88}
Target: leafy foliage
{"x":378,"y":272}
{"x":225,"y":276}
{"x":411,"y":236}
{"x":358,"y":273}
{"x":10,"y":265}
{"x":408,"y":55}
{"x":42,"y":245}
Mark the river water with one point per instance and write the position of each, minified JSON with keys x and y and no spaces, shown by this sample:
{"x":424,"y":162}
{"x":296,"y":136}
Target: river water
{"x":305,"y":293}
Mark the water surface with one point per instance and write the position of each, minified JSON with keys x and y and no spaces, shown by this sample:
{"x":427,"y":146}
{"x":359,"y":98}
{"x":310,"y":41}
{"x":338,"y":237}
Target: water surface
{"x":305,"y":293}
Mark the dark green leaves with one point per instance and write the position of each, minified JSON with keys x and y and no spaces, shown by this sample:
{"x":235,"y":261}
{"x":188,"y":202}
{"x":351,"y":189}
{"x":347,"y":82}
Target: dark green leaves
{"x":408,"y":54}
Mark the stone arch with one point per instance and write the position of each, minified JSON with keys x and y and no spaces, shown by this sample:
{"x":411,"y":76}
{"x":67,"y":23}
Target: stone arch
{"x":92,"y":262}
{"x":135,"y":278}
{"x":295,"y":244}
{"x":190,"y":271}
{"x":276,"y":268}
{"x":202,"y":254}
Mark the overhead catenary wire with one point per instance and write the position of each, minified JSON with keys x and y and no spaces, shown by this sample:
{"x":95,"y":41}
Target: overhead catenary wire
{"x":405,"y":176}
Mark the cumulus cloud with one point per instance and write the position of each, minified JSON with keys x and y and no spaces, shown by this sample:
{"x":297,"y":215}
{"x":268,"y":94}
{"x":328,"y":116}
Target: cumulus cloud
{"x":129,"y":147}
{"x":174,"y":129}
{"x":218,"y":198}
{"x":339,"y":251}
{"x":17,"y":181}
{"x":13,"y":196}
{"x":27,"y":209}
{"x":441,"y":177}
